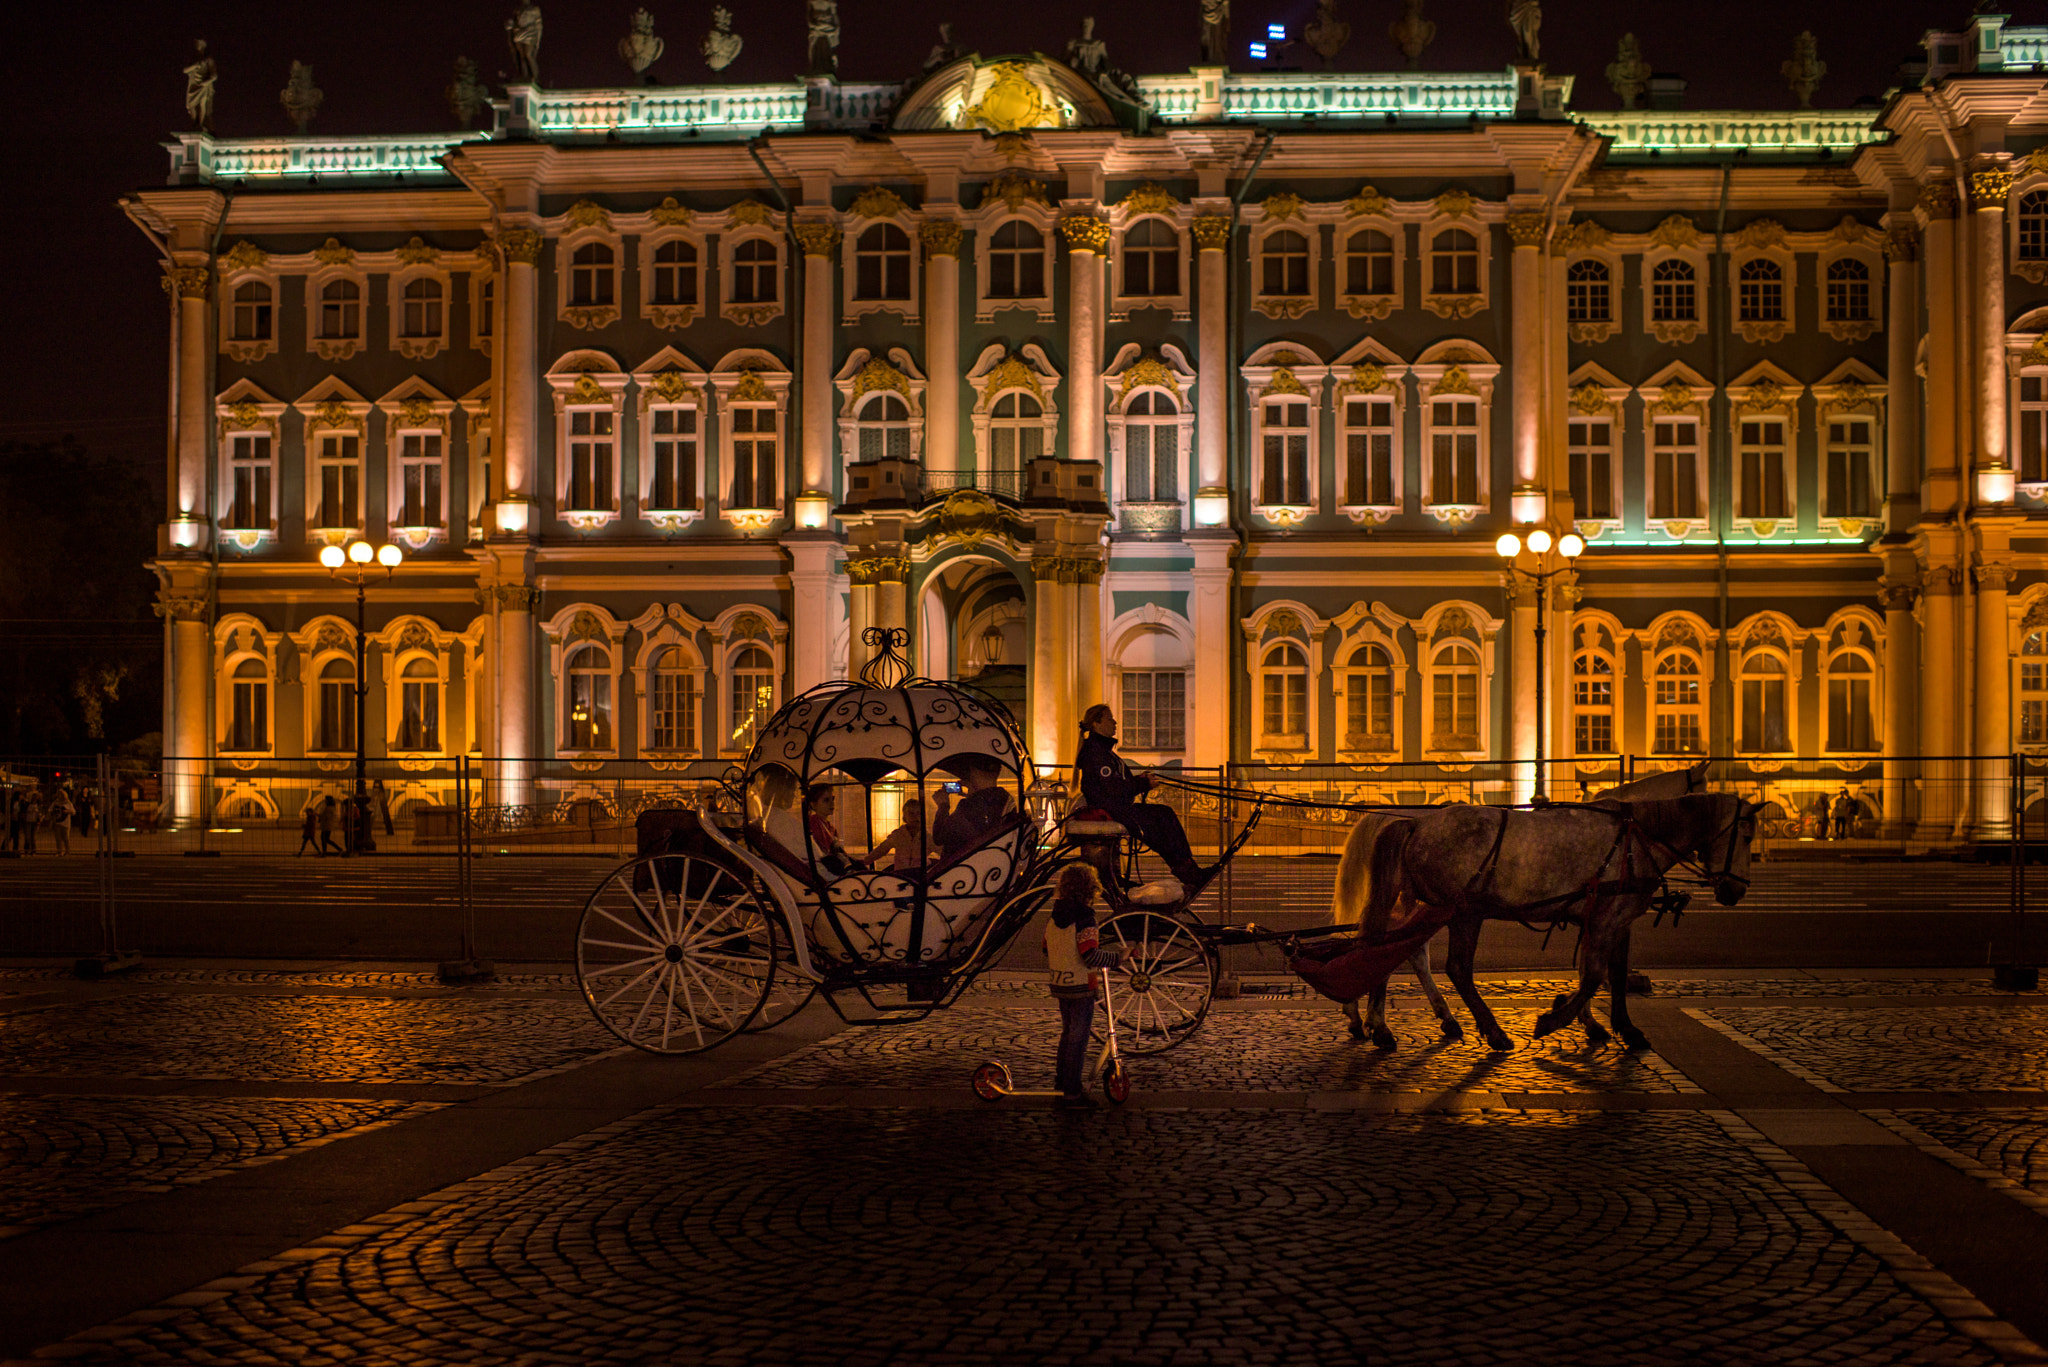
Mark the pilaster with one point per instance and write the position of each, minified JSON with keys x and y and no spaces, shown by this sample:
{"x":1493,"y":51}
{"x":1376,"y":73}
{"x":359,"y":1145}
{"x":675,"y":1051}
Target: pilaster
{"x":1941,"y":489}
{"x":820,"y":242}
{"x":1526,"y":231}
{"x":1902,"y":397}
{"x":184,"y":597}
{"x":1212,"y":408}
{"x":1992,"y":574}
{"x":1209,"y":610}
{"x":942,"y":343}
{"x":811,"y":609}
{"x":1988,"y":191}
{"x":1898,"y":591}
{"x":1087,"y":244}
{"x":1940,"y":788}
{"x":518,"y":458}
{"x":511,"y":596}
{"x":1051,"y":658}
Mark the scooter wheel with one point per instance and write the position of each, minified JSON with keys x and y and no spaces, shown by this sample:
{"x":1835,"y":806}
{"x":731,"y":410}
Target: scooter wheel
{"x":1116,"y":1083}
{"x":991,"y":1081}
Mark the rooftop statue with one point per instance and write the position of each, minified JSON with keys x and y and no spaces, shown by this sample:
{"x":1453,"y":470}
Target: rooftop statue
{"x":1326,"y":33}
{"x":1628,"y":75}
{"x":200,"y":78}
{"x":1412,"y":33}
{"x":300,"y":97}
{"x":1216,"y":32}
{"x":823,"y":18}
{"x":1088,"y":53}
{"x":1525,"y":17}
{"x":720,"y":46}
{"x":522,"y":31}
{"x":1805,"y":71}
{"x":640,"y":49}
{"x":467,"y":96}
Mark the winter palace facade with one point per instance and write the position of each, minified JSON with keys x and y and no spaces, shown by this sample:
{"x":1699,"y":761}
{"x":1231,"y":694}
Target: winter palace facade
{"x":1212,"y":406}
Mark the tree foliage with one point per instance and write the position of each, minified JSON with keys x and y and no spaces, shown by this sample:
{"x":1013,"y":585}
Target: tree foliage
{"x":81,"y":652}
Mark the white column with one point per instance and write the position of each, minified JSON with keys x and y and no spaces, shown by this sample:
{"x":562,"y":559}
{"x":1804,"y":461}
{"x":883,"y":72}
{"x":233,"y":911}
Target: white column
{"x":1052,"y":659}
{"x":1526,"y":351}
{"x":1941,"y":491}
{"x":194,"y":520}
{"x":1940,"y":789}
{"x":1993,"y":741}
{"x":1089,"y":685}
{"x":941,"y":344}
{"x":1988,"y":190}
{"x":1087,"y":242}
{"x":518,"y":738}
{"x":1522,"y":687}
{"x":518,"y":455}
{"x":1901,"y":692}
{"x":820,"y":242}
{"x":1212,"y":402}
{"x":1215,"y":641}
{"x":810,"y":580}
{"x":1902,"y":396}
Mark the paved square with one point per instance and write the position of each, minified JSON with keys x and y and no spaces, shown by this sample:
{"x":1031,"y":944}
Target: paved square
{"x":2013,"y":1142}
{"x":1960,"y":1048}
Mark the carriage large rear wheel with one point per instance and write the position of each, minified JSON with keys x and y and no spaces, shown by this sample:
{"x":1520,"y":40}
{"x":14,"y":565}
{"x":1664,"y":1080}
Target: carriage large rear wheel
{"x":676,"y":954}
{"x":1170,"y":980}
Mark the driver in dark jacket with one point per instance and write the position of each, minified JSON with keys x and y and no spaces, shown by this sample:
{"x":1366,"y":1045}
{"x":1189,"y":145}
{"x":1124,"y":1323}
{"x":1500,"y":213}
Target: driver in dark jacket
{"x":1107,"y":782}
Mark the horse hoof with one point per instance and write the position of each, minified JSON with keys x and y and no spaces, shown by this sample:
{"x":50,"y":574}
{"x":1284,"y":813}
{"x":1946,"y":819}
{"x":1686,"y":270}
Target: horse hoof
{"x":1557,"y":1002}
{"x":1453,"y":1030}
{"x":1383,"y":1040}
{"x":1500,"y":1044}
{"x":1638,"y":985}
{"x":1597,"y":1037}
{"x":1355,"y":1030}
{"x":1636,"y":1040}
{"x":1547,"y":1023}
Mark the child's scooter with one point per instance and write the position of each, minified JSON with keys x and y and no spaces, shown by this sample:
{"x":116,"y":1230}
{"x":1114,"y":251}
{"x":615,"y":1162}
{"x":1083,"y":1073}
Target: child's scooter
{"x":992,"y":1079}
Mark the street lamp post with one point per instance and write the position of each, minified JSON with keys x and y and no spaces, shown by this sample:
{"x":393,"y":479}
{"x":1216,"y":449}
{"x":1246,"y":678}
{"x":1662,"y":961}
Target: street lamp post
{"x":1570,"y":546}
{"x":357,"y":561}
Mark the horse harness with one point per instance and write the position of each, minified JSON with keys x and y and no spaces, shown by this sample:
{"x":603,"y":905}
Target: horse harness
{"x":1629,"y":841}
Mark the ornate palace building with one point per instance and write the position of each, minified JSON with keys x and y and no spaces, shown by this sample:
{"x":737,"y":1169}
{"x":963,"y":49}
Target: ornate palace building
{"x":1205,"y":394}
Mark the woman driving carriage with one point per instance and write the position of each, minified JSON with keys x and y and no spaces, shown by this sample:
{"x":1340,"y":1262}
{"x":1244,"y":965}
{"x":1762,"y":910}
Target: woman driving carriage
{"x":1108,"y":784}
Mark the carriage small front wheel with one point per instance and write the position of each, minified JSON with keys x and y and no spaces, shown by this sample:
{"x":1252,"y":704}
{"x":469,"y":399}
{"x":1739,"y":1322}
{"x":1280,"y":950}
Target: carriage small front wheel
{"x":676,"y":953}
{"x":1170,"y":979}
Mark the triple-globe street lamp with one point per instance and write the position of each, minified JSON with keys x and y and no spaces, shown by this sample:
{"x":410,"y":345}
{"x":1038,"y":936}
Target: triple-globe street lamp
{"x":357,"y":561}
{"x":1567,"y":548}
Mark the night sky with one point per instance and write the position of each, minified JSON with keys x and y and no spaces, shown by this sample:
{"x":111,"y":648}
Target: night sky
{"x":99,"y":87}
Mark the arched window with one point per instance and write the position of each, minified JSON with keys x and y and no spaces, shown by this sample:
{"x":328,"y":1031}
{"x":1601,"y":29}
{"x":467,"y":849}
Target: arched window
{"x":1679,"y":727}
{"x":335,"y":727}
{"x":422,"y":309}
{"x":1369,"y":263}
{"x":590,"y":700}
{"x":1593,"y":703}
{"x":1151,"y":259}
{"x":1284,"y":263}
{"x":2033,"y":688}
{"x":881,"y":263}
{"x":884,"y":428}
{"x":1454,"y":262}
{"x":341,"y":310}
{"x":1760,"y":292}
{"x":1848,"y":291}
{"x":1284,"y":698}
{"x":1765,"y":728}
{"x":249,"y":709}
{"x":1369,"y":701}
{"x":1454,"y":698}
{"x":1284,"y":467}
{"x":675,"y":273}
{"x":1016,"y":432}
{"x":419,"y":705}
{"x":1851,"y":680}
{"x":2032,"y":215}
{"x":590,"y":275}
{"x":1674,"y":292}
{"x":1588,"y":292}
{"x":672,"y":702}
{"x":1016,"y":262}
{"x":754,"y":272}
{"x":755,"y":455}
{"x":252,"y":312}
{"x":752,"y":680}
{"x":1151,"y":449}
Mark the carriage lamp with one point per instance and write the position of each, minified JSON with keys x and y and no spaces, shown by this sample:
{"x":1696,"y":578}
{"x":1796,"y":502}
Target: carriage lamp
{"x":1570,"y":546}
{"x":358,"y":559}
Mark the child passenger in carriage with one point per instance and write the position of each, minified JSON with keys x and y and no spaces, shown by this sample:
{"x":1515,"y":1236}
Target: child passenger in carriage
{"x":905,"y":846}
{"x":826,"y":851}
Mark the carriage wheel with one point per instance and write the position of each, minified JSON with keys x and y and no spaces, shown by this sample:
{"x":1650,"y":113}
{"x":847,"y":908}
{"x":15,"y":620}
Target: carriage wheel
{"x":1172,"y":979}
{"x":683,"y":965}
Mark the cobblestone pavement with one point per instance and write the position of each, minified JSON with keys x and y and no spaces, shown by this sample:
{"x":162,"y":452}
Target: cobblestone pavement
{"x":2012,"y":1141}
{"x":64,"y":1156}
{"x":451,"y":1038}
{"x":823,"y":1237}
{"x":1961,"y":1048}
{"x":1277,"y":1050}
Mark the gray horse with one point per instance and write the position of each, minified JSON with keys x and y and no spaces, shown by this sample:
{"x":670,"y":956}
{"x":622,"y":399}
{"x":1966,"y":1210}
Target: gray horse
{"x":1349,"y":897}
{"x":1598,"y":865}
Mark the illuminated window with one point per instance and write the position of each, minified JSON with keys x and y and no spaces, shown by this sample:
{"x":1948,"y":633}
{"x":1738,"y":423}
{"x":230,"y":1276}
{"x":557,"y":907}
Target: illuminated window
{"x":1155,"y":709}
{"x":1674,"y":293}
{"x":1760,"y":292}
{"x":1680,"y":726}
{"x":1588,"y":293}
{"x":2034,"y":688}
{"x":253,"y":312}
{"x":1283,"y":693}
{"x":755,"y":455}
{"x":1454,"y":262}
{"x":2032,"y":214}
{"x":1151,"y":259}
{"x":1852,"y":677}
{"x":1675,"y":468}
{"x":1369,"y":701}
{"x":1369,"y":263}
{"x":335,"y":727}
{"x":752,"y":681}
{"x":591,"y":451}
{"x":1454,"y":698}
{"x":419,"y":479}
{"x":249,"y":708}
{"x":1762,"y":685}
{"x":341,"y":311}
{"x":590,"y":275}
{"x":1284,"y":263}
{"x":1285,"y":465}
{"x":1151,"y":449}
{"x":883,"y":428}
{"x":675,"y":458}
{"x":1454,"y":451}
{"x":1016,"y":263}
{"x":249,"y":478}
{"x":590,"y":700}
{"x":339,"y":471}
{"x":881,"y":263}
{"x":672,"y":702}
{"x":675,"y":274}
{"x":1593,"y":703}
{"x":1851,"y":456}
{"x":421,"y":309}
{"x":1368,"y":451}
{"x":419,"y":706}
{"x":1848,"y":291}
{"x":1589,"y":452}
{"x":1760,"y":457}
{"x":1016,"y":433}
{"x":755,"y":270}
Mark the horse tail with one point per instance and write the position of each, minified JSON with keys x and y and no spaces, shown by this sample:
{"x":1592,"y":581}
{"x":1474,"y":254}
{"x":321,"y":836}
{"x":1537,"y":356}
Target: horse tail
{"x":1369,"y":877}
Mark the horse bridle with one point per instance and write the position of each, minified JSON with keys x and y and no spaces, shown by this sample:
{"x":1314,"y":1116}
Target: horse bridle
{"x":1696,"y":870}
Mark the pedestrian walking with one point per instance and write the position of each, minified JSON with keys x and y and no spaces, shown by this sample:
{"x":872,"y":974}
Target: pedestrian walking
{"x":31,"y":817}
{"x":13,"y":801}
{"x":308,"y":826}
{"x":61,"y":812}
{"x":330,"y":810}
{"x":1844,"y":814}
{"x":1820,"y":817}
{"x":383,"y":801}
{"x":1074,"y":954}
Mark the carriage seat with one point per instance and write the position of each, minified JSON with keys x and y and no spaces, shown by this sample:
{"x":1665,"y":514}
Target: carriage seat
{"x":1093,"y":822}
{"x":1165,"y":892}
